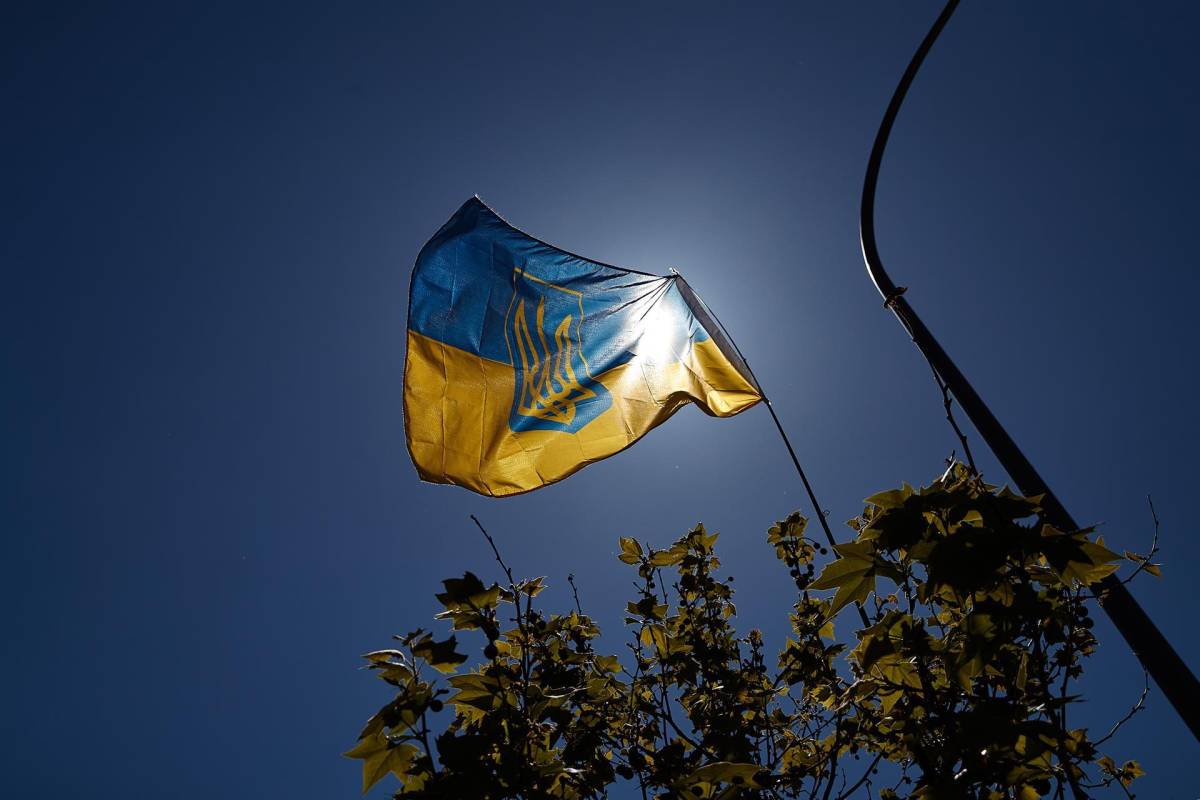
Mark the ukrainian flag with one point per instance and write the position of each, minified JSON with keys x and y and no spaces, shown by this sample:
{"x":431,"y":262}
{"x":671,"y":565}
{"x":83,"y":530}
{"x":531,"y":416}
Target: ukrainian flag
{"x":525,"y":362}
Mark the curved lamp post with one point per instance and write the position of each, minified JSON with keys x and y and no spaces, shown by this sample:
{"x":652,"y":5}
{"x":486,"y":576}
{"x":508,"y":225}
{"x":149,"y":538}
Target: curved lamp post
{"x":1154,"y":651}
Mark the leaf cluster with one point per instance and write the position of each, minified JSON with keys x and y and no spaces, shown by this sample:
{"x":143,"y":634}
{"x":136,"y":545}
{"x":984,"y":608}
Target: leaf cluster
{"x":978,"y":622}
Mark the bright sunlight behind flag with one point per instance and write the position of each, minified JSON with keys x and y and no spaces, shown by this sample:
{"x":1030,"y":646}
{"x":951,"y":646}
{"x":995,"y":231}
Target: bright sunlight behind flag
{"x":525,"y":362}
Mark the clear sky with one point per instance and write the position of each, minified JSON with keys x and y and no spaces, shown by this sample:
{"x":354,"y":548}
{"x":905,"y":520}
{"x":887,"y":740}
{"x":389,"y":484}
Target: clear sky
{"x":211,"y":211}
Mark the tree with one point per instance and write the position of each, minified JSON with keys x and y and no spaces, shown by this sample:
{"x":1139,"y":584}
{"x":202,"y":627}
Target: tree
{"x":977,"y":624}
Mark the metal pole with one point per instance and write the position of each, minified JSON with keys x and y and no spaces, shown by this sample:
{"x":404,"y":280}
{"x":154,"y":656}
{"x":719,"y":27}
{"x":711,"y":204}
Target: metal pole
{"x":812,"y":497}
{"x":1157,"y":655}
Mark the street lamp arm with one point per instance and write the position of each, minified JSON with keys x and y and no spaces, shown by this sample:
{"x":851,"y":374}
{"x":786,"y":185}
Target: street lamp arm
{"x":867,"y":213}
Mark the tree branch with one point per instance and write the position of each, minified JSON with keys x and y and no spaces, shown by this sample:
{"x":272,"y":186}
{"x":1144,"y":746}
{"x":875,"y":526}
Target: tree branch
{"x":948,"y":404}
{"x":862,"y":780}
{"x":575,"y":592}
{"x":1138,"y":706}
{"x":1153,"y":543}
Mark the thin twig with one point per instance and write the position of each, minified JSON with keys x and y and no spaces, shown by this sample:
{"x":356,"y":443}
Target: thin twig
{"x":575,"y":591}
{"x":833,"y":766}
{"x":1145,"y":562}
{"x":948,"y":404}
{"x":499,"y":560}
{"x":1138,"y":706}
{"x":423,"y":733}
{"x":526,"y":667}
{"x":862,"y":780}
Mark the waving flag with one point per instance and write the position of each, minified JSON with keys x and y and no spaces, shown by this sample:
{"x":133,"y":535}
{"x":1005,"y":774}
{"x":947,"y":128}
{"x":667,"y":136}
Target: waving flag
{"x":525,"y":362}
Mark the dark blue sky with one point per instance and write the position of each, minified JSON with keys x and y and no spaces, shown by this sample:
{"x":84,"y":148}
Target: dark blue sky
{"x":211,"y":213}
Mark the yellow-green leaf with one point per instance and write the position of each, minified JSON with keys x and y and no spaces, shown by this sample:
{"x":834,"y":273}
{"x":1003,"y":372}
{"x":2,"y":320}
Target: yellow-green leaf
{"x":852,"y":575}
{"x":1131,"y":770}
{"x":440,"y":655}
{"x":380,"y":757}
{"x":666,"y":558}
{"x":724,"y":772}
{"x":631,"y":551}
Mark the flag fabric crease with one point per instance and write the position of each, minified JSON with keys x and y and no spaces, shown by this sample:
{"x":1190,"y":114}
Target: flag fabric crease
{"x":525,"y":362}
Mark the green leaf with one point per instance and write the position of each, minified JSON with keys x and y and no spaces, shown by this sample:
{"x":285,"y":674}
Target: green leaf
{"x":380,"y":757}
{"x":532,"y":587}
{"x":892,"y":498}
{"x":790,"y":528}
{"x":853,"y":575}
{"x":647,"y":607}
{"x":1131,"y":770}
{"x":1145,"y":563}
{"x":1074,"y":558}
{"x":385,"y":657}
{"x":656,"y":637}
{"x":475,"y":691}
{"x":439,"y":655}
{"x":666,"y":558}
{"x":608,"y":663}
{"x":391,"y":665}
{"x":840,"y":572}
{"x":724,"y":772}
{"x":467,"y":601}
{"x":631,"y":551}
{"x":459,"y":590}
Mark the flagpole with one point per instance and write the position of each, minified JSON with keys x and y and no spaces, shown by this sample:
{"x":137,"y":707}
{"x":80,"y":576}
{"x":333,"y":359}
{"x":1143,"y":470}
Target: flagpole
{"x":696,"y":301}
{"x":1152,"y":649}
{"x":812,"y":497}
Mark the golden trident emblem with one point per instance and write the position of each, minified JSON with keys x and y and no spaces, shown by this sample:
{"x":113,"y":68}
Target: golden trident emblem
{"x":549,"y":389}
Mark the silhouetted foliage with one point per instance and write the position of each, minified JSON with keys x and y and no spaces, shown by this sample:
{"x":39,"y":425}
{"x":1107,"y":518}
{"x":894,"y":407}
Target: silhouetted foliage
{"x":979,"y":622}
